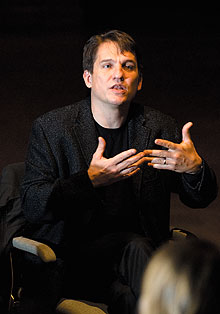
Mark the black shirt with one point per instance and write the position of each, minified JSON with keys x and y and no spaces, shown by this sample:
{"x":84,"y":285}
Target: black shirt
{"x":116,"y":139}
{"x":119,"y":211}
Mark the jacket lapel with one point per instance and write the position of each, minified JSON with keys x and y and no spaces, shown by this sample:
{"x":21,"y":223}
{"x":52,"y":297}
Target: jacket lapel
{"x":138,"y":134}
{"x":85,"y":131}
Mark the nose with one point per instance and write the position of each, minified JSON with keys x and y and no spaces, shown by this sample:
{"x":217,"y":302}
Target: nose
{"x":118,"y":74}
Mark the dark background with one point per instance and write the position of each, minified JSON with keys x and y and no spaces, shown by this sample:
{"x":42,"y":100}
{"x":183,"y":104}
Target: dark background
{"x":40,"y":67}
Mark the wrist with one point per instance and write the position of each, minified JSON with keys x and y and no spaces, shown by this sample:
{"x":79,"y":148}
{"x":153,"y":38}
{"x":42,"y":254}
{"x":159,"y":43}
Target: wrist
{"x":197,"y":168}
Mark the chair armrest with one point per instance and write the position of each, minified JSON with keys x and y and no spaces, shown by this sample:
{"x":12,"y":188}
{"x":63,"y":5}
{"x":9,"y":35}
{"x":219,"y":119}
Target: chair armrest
{"x":42,"y":250}
{"x":178,"y":234}
{"x":69,"y":306}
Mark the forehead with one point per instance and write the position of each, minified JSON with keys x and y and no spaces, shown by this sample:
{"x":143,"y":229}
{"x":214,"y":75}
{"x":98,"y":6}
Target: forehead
{"x":111,"y":50}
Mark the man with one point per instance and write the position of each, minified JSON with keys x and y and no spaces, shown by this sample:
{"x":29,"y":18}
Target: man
{"x":103,"y":169}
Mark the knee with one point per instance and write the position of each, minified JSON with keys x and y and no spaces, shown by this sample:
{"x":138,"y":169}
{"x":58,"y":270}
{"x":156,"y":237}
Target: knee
{"x":122,"y":299}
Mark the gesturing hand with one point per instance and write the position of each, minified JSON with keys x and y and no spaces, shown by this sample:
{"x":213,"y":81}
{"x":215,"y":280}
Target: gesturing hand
{"x":103,"y":171}
{"x":181,"y":157}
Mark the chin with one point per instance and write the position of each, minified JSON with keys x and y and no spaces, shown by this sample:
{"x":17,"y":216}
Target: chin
{"x":119,"y":101}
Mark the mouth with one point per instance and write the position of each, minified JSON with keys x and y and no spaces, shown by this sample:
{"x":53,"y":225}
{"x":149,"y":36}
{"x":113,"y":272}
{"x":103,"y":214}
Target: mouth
{"x":119,"y":87}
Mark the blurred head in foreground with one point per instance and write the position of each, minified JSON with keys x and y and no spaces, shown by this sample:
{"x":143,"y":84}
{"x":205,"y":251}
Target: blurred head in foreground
{"x":182,"y":278}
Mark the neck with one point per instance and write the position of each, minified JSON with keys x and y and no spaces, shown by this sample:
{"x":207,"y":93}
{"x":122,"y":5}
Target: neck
{"x":111,"y":117}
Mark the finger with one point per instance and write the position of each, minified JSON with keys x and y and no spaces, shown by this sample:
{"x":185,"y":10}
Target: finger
{"x":126,"y":173}
{"x":100,"y":148}
{"x":142,"y":161}
{"x":160,"y":161}
{"x":147,"y":152}
{"x":133,"y":161}
{"x":161,"y":153}
{"x":129,"y":162}
{"x":124,"y":156}
{"x":166,"y":144}
{"x":161,"y":167}
{"x":186,"y":133}
{"x":163,"y":161}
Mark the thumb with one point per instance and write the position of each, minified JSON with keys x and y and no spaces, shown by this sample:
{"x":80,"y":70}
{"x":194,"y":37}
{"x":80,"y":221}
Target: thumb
{"x":185,"y":132}
{"x":100,"y":148}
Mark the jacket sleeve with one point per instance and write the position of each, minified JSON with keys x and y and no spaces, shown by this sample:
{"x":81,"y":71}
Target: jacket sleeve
{"x":195,"y":190}
{"x":199,"y":190}
{"x":46,"y":195}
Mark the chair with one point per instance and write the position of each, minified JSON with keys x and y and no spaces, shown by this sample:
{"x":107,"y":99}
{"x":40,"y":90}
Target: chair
{"x":14,"y":245}
{"x":12,"y":223}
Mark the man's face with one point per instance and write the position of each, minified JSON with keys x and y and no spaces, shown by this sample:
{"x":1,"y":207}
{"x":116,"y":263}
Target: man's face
{"x":115,"y":78}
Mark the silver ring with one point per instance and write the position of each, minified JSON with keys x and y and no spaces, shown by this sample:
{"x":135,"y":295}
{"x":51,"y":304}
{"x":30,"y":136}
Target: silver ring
{"x":165,"y":161}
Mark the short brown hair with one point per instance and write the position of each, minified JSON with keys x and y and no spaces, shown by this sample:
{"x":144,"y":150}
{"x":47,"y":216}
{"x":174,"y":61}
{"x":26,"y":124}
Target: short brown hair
{"x":122,"y":39}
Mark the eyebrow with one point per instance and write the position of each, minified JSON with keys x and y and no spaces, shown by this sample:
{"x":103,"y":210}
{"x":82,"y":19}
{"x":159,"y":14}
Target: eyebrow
{"x":106,"y":60}
{"x":111,"y":60}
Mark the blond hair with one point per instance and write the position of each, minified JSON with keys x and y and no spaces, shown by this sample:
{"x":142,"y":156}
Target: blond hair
{"x":182,"y":278}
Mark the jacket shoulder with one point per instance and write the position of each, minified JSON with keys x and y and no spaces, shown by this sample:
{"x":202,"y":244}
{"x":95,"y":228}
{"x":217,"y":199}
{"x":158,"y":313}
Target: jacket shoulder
{"x":160,"y":117}
{"x":64,"y":115}
{"x":160,"y":124}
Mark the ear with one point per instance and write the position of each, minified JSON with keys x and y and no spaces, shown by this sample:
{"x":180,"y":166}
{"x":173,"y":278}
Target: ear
{"x":140,"y":83}
{"x":87,"y":76}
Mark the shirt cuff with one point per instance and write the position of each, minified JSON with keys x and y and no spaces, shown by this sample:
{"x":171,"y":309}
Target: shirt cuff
{"x":194,"y":179}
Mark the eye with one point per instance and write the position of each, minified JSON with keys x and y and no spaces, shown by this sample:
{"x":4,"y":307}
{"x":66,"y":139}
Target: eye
{"x":107,"y":66}
{"x":129,"y":66}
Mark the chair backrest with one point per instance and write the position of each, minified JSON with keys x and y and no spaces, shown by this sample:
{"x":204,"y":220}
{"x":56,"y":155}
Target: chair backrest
{"x":12,"y":220}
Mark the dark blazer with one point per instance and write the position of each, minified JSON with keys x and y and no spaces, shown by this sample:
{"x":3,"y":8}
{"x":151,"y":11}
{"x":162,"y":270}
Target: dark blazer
{"x":57,"y":188}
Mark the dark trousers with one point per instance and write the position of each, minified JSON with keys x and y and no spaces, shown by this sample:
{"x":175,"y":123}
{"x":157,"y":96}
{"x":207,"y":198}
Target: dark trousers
{"x":109,"y":270}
